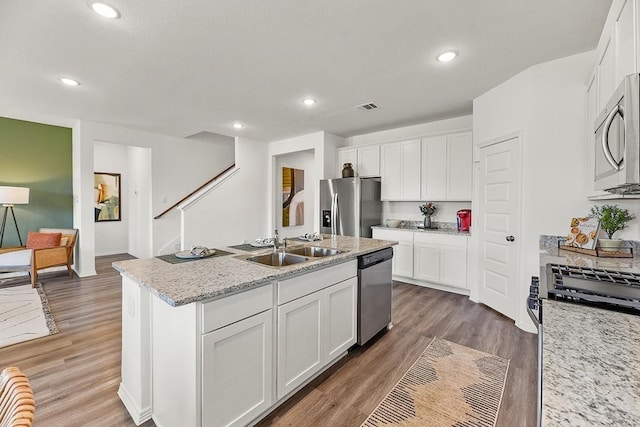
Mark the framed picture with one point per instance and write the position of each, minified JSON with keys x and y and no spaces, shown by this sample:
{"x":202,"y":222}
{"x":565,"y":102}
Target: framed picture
{"x":106,"y":191}
{"x":292,"y":197}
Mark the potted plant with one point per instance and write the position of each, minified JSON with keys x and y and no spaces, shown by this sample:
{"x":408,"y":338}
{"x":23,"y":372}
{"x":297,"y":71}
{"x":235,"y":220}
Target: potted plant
{"x":612,"y":218}
{"x":427,"y":210}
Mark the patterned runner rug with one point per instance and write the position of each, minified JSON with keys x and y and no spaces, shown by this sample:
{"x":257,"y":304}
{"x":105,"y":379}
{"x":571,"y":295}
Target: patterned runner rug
{"x":24,"y":315}
{"x":449,"y":385}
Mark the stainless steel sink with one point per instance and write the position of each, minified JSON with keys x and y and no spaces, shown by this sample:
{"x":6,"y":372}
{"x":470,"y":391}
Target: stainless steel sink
{"x":277,"y":259}
{"x":313,"y":251}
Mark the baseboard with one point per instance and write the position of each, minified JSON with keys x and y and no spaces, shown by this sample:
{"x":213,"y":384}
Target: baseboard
{"x":138,"y":415}
{"x":432,"y":285}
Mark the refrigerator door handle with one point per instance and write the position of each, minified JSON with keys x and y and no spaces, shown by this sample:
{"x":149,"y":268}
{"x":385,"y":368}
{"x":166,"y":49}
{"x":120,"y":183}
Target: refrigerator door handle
{"x":334,"y":214}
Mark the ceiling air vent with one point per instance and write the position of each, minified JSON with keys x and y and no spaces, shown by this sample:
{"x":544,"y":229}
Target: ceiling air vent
{"x":368,"y":106}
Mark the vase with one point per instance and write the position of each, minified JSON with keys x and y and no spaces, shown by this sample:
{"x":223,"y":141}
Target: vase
{"x":427,"y":221}
{"x":347,"y":170}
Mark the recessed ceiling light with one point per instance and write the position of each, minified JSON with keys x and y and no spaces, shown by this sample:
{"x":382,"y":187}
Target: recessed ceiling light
{"x":104,"y":9}
{"x":238,"y":125}
{"x":69,"y":82}
{"x":309,"y":101}
{"x":447,"y":56}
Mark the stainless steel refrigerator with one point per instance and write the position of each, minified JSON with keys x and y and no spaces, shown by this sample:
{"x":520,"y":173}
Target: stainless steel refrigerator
{"x":350,"y":206}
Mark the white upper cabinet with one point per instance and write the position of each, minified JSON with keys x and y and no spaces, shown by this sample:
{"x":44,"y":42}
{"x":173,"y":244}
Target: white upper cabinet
{"x":625,"y":56}
{"x":347,"y":155}
{"x":369,"y":160}
{"x":365,"y":160}
{"x":447,"y":167}
{"x":400,"y":170}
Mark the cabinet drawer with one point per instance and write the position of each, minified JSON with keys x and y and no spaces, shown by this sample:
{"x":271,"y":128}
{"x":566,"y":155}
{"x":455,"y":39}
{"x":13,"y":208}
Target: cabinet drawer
{"x":393,"y":235}
{"x":227,"y":310}
{"x":440,"y":239}
{"x":299,"y":286}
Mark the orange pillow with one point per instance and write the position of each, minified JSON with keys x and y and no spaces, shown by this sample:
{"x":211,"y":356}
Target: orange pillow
{"x":37,"y":240}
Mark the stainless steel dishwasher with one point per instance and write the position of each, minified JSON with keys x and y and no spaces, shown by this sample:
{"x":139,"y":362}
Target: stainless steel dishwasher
{"x":374,"y":294}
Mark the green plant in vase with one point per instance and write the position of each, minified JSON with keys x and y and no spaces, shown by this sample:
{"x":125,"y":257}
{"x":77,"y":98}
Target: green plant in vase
{"x":427,"y":210}
{"x":612,"y":218}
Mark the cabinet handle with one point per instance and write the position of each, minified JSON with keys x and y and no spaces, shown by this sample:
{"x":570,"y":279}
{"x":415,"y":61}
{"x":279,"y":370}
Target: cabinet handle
{"x":616,"y":165}
{"x":510,"y":239}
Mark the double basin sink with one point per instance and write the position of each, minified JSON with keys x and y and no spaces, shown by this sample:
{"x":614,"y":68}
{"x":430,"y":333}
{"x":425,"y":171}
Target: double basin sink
{"x":293,"y":256}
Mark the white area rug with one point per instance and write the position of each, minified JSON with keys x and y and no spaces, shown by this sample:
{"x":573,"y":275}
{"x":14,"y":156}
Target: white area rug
{"x":24,"y":315}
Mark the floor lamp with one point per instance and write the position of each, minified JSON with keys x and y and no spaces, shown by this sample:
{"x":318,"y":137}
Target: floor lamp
{"x":10,"y":196}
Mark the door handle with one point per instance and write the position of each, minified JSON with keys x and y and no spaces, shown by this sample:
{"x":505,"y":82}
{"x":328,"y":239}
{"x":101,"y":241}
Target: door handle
{"x":510,"y":239}
{"x":615,"y":164}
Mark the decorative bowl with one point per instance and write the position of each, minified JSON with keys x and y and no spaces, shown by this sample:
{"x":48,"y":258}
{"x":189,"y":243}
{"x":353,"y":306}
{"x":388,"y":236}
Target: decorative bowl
{"x":393,"y":223}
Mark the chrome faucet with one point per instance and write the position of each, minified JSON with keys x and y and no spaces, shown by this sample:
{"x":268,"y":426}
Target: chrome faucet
{"x":275,"y":241}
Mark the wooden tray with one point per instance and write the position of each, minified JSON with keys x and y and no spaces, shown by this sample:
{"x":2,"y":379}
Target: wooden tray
{"x":619,"y":253}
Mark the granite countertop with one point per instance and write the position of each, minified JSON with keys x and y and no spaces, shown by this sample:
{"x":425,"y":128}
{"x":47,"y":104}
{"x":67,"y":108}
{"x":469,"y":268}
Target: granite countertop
{"x":416,"y":226}
{"x":591,"y":366}
{"x":549,"y":253}
{"x":184,"y":283}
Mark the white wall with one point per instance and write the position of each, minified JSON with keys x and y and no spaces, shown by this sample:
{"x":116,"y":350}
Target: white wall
{"x":139,"y":189}
{"x":235,"y":211}
{"x":456,"y":124}
{"x":324,"y":146}
{"x":178,"y":166}
{"x":547,"y":103}
{"x":299,"y":160}
{"x":112,"y":236}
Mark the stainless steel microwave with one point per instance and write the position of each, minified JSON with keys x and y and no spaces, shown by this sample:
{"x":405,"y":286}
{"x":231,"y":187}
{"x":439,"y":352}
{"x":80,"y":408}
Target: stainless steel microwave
{"x":617,"y":142}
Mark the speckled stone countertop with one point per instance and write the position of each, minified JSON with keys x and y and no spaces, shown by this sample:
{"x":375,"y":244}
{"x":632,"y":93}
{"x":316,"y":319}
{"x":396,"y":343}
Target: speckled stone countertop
{"x":549,"y":253}
{"x":591,"y":366}
{"x":416,"y":226}
{"x":184,"y":283}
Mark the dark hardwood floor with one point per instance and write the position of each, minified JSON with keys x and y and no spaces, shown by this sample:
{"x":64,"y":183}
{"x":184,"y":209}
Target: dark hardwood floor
{"x":75,"y":374}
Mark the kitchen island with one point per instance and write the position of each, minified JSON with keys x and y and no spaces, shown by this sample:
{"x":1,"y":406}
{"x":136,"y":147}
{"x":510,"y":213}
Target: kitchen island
{"x":223,"y":340}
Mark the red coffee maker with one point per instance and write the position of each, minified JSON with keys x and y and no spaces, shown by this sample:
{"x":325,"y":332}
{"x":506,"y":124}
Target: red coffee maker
{"x":464,"y":219}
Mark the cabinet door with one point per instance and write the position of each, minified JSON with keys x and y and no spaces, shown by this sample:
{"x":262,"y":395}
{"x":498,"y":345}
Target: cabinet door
{"x":460,"y":173}
{"x":625,"y":62}
{"x":347,"y":155}
{"x":299,"y":341}
{"x":391,"y":171}
{"x":369,"y":161}
{"x":434,"y":168}
{"x":453,"y":266}
{"x":402,"y":264}
{"x":237,"y":371}
{"x":426,"y":262}
{"x":340,"y":318}
{"x":410,"y":169}
{"x":606,"y":84}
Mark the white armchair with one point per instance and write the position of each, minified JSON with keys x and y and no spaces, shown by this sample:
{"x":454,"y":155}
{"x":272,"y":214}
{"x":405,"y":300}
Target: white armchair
{"x":17,"y":261}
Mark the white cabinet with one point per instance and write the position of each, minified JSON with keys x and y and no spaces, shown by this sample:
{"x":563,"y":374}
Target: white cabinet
{"x":369,"y":160}
{"x":625,"y":42}
{"x":365,"y":160}
{"x":447,"y":167}
{"x":402,"y":262}
{"x":400,"y":168}
{"x":347,"y":155}
{"x":441,"y":258}
{"x":316,"y":323}
{"x":237,"y":371}
{"x":299,"y":341}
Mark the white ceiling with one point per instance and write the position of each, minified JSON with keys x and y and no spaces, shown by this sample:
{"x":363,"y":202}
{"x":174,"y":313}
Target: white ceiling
{"x":179,"y":67}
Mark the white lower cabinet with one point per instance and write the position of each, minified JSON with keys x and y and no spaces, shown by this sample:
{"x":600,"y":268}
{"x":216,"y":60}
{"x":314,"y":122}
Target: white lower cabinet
{"x":314,"y":330}
{"x":441,"y":258}
{"x":402,"y":262}
{"x":428,"y":257}
{"x":299,"y":341}
{"x":237,"y":371}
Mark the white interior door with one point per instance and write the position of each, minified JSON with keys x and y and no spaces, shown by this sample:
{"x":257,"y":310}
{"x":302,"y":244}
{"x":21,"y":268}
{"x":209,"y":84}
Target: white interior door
{"x":499,"y":225}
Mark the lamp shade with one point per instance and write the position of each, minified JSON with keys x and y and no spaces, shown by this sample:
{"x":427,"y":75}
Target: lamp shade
{"x":14,"y":195}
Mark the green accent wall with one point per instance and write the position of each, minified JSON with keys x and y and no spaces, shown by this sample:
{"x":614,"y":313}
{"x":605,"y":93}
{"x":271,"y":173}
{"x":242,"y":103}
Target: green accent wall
{"x":37,"y":156}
